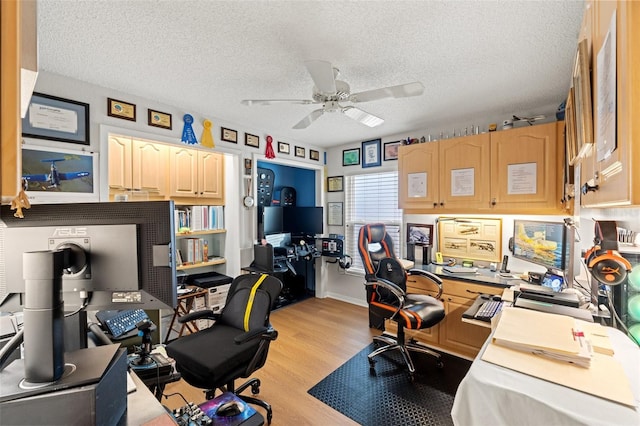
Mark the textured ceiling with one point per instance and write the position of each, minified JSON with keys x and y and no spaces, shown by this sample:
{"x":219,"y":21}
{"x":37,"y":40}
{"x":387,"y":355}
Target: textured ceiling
{"x":476,"y":59}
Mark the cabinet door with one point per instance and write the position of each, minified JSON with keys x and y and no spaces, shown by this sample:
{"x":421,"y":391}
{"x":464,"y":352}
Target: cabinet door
{"x":418,"y":176}
{"x":524,"y":169}
{"x":464,"y":172}
{"x":149,"y":166}
{"x":210,"y":175}
{"x":120,"y":163}
{"x":613,"y":172}
{"x":459,"y":336}
{"x":183,"y":169}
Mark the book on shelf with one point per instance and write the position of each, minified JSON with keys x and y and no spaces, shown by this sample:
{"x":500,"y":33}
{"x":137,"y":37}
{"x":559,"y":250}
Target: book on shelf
{"x":199,"y":218}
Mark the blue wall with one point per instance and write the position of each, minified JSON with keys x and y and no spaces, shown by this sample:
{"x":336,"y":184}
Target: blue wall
{"x":303,"y":180}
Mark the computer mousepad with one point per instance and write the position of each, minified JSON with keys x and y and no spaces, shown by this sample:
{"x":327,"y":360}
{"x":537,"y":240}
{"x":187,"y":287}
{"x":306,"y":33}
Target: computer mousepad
{"x":90,"y":365}
{"x":210,"y":407}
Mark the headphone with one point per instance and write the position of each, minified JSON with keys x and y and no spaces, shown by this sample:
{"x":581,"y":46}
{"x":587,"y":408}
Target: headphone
{"x":604,"y":261}
{"x":345,"y":262}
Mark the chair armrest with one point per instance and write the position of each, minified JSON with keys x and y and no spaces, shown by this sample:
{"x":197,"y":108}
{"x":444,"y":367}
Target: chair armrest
{"x":202,"y":314}
{"x":262,"y":332}
{"x":396,"y":291}
{"x":430,"y":276}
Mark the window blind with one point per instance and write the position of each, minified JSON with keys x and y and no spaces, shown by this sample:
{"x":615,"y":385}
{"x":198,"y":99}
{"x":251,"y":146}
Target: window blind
{"x":371,"y":198}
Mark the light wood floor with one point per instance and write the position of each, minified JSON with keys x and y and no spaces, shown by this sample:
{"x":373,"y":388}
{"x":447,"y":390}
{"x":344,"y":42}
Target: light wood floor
{"x":315,"y":337}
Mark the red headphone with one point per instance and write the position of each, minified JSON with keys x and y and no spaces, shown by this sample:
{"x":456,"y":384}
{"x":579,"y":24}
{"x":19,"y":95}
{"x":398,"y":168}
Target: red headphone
{"x":603,"y":259}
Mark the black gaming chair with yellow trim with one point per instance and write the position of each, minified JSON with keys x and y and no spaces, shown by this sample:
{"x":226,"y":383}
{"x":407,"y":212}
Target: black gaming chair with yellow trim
{"x":388,"y":298}
{"x":235,"y":345}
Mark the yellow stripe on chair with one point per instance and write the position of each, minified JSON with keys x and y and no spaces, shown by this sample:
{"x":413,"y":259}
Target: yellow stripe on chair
{"x":247,"y":312}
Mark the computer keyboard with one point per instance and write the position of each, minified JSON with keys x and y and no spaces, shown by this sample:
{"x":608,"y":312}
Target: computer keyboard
{"x":119,"y":323}
{"x":488,"y":310}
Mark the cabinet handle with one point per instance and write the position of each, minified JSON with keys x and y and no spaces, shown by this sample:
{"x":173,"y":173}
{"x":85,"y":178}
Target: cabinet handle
{"x":493,"y":202}
{"x":473,"y":292}
{"x":435,"y":205}
{"x":441,"y":203}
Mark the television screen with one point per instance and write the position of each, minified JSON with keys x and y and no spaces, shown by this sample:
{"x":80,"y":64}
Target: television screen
{"x":272,"y":220}
{"x":303,"y":220}
{"x":542,"y":243}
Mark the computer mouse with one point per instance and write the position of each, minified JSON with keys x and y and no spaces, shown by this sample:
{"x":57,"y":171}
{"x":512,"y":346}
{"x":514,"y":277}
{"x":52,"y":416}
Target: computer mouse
{"x":496,"y":298}
{"x":229,"y":409}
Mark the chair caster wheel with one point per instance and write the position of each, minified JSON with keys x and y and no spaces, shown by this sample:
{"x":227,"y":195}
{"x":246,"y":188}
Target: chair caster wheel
{"x":255,"y":388}
{"x":439,"y":364}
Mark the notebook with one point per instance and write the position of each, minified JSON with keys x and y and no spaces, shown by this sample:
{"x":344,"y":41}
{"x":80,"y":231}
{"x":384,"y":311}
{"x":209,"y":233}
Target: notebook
{"x":460,"y":270}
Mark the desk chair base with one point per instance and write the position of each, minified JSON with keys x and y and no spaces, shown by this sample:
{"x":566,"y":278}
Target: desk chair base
{"x":255,"y":389}
{"x":390,"y":343}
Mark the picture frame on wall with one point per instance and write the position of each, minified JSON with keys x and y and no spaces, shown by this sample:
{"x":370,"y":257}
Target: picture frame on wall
{"x":351,"y":157}
{"x":391,"y":150}
{"x":74,"y":179}
{"x":121,"y":109}
{"x":159,"y":119}
{"x":335,"y":184}
{"x":371,"y":153}
{"x":56,"y":119}
{"x":314,"y":155}
{"x":335,"y":213}
{"x":570,"y":129}
{"x":300,"y":152}
{"x":582,"y":100}
{"x":283,"y":148}
{"x":251,"y":140}
{"x":228,"y":135}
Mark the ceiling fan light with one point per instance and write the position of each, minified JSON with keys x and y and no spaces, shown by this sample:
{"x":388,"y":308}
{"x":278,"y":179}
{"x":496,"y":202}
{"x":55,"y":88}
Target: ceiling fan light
{"x":362,"y":116}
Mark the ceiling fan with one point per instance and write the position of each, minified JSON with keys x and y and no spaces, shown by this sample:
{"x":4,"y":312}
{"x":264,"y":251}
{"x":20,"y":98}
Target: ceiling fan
{"x":330,"y":92}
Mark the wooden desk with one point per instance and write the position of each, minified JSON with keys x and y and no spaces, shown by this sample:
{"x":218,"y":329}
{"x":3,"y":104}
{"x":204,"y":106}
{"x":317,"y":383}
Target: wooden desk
{"x":185,"y":305}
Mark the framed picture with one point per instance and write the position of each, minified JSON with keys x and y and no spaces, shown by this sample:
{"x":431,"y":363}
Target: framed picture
{"x":335,"y":184}
{"x":391,"y":150}
{"x":120,"y":109}
{"x":228,"y":135}
{"x":570,"y":129}
{"x":299,"y":151}
{"x":371,"y":153}
{"x":56,"y":175}
{"x":283,"y":148}
{"x":56,"y":119}
{"x":335,"y":213}
{"x":351,"y":157}
{"x":420,"y":235}
{"x":314,"y":155}
{"x":251,"y":140}
{"x":159,"y":119}
{"x":582,"y":100}
{"x":470,"y":238}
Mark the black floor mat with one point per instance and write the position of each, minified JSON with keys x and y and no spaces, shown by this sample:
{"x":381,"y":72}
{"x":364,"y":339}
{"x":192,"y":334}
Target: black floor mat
{"x":389,"y":397}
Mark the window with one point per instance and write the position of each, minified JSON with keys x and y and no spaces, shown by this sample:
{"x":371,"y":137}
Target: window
{"x":371,"y":198}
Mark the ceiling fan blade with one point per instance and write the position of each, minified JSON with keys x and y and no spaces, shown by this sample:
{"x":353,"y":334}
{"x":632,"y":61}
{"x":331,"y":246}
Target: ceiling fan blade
{"x":323,"y":75}
{"x":401,"y":91}
{"x":250,"y":102}
{"x":305,"y":122}
{"x":362,"y":116}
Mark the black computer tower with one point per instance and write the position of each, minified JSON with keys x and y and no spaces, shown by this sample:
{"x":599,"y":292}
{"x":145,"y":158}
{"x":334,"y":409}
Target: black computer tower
{"x":626,"y":296}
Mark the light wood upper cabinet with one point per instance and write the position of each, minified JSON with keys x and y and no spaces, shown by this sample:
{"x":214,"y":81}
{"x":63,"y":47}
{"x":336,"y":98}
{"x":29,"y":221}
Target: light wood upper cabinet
{"x":516,"y":170}
{"x":464,"y":172}
{"x":616,"y":174}
{"x":120,"y":163}
{"x":137,"y":165}
{"x":524,"y":168}
{"x":149,"y":166}
{"x":418,"y":163}
{"x":197,"y":174}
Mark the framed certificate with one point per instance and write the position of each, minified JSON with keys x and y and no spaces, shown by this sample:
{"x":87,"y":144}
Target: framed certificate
{"x":335,"y":184}
{"x":56,"y":119}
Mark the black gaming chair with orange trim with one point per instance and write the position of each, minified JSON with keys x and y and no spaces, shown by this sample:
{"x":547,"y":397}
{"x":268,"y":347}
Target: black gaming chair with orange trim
{"x":388,"y":298}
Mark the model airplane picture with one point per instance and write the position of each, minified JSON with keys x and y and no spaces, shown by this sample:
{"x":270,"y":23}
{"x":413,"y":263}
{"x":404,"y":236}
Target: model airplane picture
{"x":54,"y":178}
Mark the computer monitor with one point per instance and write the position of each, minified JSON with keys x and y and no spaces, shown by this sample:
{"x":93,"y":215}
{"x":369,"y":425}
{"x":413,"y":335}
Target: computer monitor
{"x":124,"y":253}
{"x":542,"y":243}
{"x":272,"y":220}
{"x":303,"y":220}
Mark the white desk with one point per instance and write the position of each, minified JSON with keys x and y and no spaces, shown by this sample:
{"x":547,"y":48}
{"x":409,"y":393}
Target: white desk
{"x":493,"y":395}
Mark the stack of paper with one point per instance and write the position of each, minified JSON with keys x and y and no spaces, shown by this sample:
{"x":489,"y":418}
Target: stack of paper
{"x":551,"y":336}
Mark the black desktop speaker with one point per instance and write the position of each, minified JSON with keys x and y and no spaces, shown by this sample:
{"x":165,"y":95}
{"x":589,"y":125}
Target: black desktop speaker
{"x":287,"y":196}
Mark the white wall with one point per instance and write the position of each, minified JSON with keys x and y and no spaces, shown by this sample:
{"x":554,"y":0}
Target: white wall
{"x":240,"y":221}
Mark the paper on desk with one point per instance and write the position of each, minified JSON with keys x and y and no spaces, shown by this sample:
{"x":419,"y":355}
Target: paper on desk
{"x":605,"y":378}
{"x":550,"y":335}
{"x":597,"y":335}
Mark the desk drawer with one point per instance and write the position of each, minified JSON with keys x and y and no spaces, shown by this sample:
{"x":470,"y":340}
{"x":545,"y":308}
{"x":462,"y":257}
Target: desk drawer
{"x":467,"y":289}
